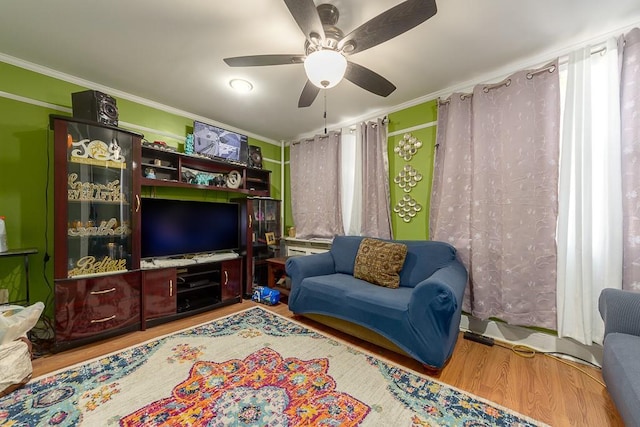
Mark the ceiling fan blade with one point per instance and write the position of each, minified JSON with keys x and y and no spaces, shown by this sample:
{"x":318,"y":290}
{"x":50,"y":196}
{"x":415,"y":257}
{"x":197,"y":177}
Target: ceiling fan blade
{"x":305,"y":14}
{"x":260,"y":60}
{"x":308,"y":95}
{"x":389,"y":24}
{"x":368,"y":80}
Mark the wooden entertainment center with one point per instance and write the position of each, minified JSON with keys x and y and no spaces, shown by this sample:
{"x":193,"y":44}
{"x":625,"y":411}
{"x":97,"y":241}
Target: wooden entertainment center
{"x":102,"y":287}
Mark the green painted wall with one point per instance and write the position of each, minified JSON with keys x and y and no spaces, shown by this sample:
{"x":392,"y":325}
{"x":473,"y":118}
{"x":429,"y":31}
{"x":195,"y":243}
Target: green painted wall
{"x":26,"y":169}
{"x":26,"y":175}
{"x":422,"y":162}
{"x":288,"y":218}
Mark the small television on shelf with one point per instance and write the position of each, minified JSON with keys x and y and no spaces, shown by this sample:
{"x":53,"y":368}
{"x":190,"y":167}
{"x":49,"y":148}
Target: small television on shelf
{"x":220,"y":144}
{"x":172,"y":228}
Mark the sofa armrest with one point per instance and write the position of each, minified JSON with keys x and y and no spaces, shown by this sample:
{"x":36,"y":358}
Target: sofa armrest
{"x":437,"y":300}
{"x":299,"y":267}
{"x":620,"y":311}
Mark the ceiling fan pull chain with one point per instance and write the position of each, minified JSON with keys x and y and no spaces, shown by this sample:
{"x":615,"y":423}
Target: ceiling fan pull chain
{"x":325,"y":111}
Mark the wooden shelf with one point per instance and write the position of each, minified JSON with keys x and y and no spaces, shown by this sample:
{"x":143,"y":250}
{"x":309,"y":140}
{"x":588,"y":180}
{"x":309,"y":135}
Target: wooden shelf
{"x":166,"y":168}
{"x":169,"y":173}
{"x":184,"y":290}
{"x":151,"y":182}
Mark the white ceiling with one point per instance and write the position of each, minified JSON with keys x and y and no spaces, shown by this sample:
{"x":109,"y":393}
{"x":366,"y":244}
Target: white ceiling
{"x":171,"y":51}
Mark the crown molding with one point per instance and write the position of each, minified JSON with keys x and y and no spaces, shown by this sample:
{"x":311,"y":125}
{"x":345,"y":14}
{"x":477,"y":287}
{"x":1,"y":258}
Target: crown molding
{"x":124,"y":95}
{"x":493,"y":76}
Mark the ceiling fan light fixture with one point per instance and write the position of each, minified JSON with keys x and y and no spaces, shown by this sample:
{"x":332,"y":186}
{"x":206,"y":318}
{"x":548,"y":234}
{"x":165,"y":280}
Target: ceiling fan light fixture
{"x":240,"y":85}
{"x":325,"y":68}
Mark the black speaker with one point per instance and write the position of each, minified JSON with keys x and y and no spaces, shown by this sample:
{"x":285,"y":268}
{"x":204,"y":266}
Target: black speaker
{"x":255,"y":157}
{"x":96,"y":106}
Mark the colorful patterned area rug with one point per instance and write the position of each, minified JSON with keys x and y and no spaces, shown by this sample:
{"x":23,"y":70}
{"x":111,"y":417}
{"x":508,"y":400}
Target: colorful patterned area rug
{"x":252,"y":368}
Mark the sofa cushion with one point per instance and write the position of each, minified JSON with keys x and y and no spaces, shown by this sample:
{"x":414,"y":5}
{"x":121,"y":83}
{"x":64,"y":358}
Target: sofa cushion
{"x":345,"y":296}
{"x":334,"y":287}
{"x":366,"y":300}
{"x":344,"y":250}
{"x":621,"y":373}
{"x":379,"y":262}
{"x":424,"y":257}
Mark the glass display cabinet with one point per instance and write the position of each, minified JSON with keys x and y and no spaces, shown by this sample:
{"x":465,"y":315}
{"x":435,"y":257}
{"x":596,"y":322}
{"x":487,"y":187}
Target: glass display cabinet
{"x":97,"y":200}
{"x":260,"y":236}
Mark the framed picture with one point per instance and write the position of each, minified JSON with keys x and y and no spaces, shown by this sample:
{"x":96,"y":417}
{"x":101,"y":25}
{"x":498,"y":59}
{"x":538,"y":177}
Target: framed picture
{"x":270,"y":238}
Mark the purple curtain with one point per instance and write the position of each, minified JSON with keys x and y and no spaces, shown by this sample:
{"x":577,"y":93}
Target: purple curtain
{"x":376,"y":214}
{"x":315,"y":187}
{"x":630,"y":144}
{"x":495,"y":195}
{"x":450,"y":213}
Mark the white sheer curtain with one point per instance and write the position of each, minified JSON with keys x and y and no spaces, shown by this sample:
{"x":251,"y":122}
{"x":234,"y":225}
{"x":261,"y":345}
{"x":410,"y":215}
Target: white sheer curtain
{"x":351,"y":182}
{"x":590,"y":196}
{"x":315,"y":187}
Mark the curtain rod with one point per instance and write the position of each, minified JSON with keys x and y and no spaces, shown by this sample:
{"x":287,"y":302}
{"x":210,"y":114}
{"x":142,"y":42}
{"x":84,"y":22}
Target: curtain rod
{"x":385,"y":120}
{"x":326,"y":135}
{"x":550,"y":68}
{"x":507,"y":82}
{"x":463,"y":96}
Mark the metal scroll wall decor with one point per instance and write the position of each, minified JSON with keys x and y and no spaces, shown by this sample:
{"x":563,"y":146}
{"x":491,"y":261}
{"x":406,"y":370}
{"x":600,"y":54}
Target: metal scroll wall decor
{"x":407,"y":178}
{"x":407,"y":208}
{"x":408,"y":146}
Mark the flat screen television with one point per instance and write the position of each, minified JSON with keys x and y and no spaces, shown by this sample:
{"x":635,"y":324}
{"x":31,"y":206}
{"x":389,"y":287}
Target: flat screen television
{"x":172,"y":228}
{"x":218,"y":143}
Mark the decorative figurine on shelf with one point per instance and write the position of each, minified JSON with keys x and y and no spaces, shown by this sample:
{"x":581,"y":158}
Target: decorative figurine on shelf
{"x":150,"y":173}
{"x":234,"y":179}
{"x":203,"y":178}
{"x":219,"y":181}
{"x":270,"y":238}
{"x":188,"y":144}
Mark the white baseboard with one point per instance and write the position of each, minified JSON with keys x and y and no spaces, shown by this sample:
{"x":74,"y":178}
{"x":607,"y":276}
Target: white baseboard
{"x":539,"y":341}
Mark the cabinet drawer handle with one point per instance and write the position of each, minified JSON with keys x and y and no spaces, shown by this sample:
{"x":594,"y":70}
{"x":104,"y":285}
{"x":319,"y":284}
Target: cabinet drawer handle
{"x":226,"y":277}
{"x":106,"y":291}
{"x":137,"y":202}
{"x":171,"y":287}
{"x":106,"y":319}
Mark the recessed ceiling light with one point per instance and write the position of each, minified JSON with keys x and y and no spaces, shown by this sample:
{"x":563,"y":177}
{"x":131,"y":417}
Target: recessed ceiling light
{"x":241,"y":86}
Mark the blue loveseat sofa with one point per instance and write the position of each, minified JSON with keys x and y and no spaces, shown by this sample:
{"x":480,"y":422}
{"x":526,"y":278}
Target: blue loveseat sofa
{"x":620,"y":311}
{"x":420,"y":318}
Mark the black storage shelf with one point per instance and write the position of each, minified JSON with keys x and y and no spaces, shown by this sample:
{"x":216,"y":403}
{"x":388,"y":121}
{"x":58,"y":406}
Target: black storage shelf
{"x":186,"y":289}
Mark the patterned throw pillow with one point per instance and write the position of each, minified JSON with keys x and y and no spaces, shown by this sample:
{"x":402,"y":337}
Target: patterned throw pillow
{"x":380,"y":262}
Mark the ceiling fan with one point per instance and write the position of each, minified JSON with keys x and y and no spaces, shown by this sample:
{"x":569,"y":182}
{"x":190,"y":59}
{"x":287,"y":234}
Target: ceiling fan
{"x":326,"y":47}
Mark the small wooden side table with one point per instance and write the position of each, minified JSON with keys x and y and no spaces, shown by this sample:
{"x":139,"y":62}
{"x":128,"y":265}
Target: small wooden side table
{"x":24,"y":253}
{"x":275,"y":270}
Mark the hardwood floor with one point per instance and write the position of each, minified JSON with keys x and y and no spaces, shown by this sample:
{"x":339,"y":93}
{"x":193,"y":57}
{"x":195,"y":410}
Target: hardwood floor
{"x":541,"y":387}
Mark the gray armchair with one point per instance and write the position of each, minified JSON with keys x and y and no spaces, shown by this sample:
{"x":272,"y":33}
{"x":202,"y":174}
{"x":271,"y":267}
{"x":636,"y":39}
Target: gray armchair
{"x":620,"y":311}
